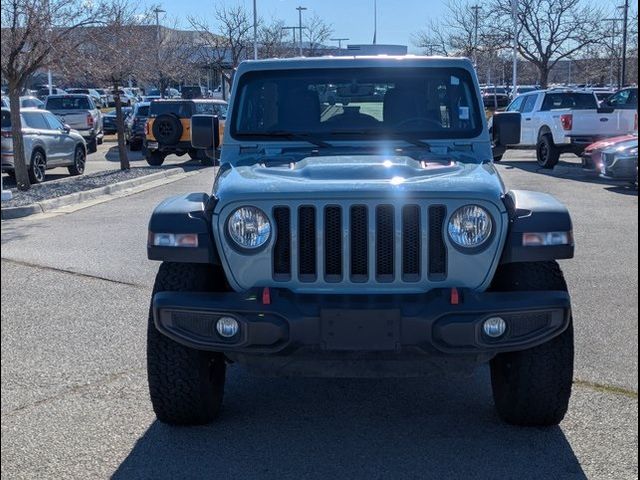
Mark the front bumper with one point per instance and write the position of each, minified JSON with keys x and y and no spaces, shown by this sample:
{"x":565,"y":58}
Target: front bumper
{"x":395,"y":324}
{"x":623,"y":168}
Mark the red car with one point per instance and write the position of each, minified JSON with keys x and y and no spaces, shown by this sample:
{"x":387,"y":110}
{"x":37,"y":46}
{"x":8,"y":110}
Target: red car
{"x":591,"y":158}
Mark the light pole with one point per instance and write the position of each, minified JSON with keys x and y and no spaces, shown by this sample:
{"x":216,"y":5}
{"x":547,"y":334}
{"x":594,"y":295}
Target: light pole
{"x":339,"y":40}
{"x":625,"y":29}
{"x":375,"y":22}
{"x":613,"y":47}
{"x":476,"y":9}
{"x":158,"y":11}
{"x":255,"y":30}
{"x":514,"y":73}
{"x":300,"y":10}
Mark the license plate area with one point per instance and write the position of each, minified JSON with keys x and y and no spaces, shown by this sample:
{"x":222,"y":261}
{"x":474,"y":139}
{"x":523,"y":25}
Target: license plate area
{"x":152,"y":145}
{"x":364,"y":330}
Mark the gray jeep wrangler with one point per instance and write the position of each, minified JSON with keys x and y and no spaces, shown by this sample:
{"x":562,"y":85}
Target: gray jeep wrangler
{"x":366,"y":236}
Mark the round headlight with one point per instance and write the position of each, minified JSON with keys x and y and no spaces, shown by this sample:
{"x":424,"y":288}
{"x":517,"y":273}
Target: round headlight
{"x":470,"y":226}
{"x":249,"y":227}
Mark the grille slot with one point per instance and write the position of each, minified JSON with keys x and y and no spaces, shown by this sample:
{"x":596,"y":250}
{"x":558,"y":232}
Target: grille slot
{"x":307,"y":243}
{"x":385,"y":231}
{"x":333,"y":243}
{"x":359,"y":244}
{"x":437,"y":247}
{"x":282,"y":246}
{"x":411,"y":243}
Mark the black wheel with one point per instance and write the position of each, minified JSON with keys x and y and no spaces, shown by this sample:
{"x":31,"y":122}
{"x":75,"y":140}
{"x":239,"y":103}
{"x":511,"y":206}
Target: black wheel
{"x":186,"y":385}
{"x":155,"y":159}
{"x":196,"y":154}
{"x":498,"y":158}
{"x":167,"y":129}
{"x":533,"y":387}
{"x":135,"y":146}
{"x":37,"y":167}
{"x":547,"y":153}
{"x":100,"y":140}
{"x":79,"y":161}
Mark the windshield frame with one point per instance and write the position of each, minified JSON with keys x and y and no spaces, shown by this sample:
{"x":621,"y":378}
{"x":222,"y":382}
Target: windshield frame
{"x":381,"y":134}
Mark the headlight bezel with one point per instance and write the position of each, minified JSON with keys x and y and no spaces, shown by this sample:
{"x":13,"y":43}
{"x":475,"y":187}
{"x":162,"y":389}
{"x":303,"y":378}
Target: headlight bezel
{"x":486,"y":243}
{"x":237,"y":245}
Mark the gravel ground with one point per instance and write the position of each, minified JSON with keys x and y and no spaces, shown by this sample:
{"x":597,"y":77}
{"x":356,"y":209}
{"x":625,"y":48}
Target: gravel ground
{"x":66,"y":186}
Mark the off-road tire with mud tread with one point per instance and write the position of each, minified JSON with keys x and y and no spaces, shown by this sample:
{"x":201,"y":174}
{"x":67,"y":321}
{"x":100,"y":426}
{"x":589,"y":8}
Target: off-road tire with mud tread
{"x":186,"y":385}
{"x":533,"y":387}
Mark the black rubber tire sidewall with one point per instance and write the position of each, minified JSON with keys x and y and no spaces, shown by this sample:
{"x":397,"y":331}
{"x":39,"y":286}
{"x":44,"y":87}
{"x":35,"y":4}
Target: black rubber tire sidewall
{"x":167,"y":129}
{"x":186,"y":386}
{"x":32,"y":176}
{"x":547,"y":153}
{"x":73,"y":169}
{"x":155,"y":158}
{"x":533,"y":387}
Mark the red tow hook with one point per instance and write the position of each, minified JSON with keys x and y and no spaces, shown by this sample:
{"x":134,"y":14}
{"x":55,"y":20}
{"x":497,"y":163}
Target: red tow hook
{"x":455,"y":296}
{"x":266,"y":296}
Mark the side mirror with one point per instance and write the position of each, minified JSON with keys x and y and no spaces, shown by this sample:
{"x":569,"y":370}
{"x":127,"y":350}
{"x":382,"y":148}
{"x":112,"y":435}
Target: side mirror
{"x":66,"y":128}
{"x":505,"y":131}
{"x":205,"y":133}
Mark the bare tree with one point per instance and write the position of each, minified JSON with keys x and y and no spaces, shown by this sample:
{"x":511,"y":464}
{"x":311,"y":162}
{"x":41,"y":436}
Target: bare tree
{"x":117,"y":51}
{"x":272,"y":39}
{"x":35,"y":34}
{"x":553,"y":30}
{"x":317,"y":32}
{"x":174,"y":55}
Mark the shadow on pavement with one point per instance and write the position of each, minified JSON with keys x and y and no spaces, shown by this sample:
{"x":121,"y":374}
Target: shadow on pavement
{"x":571,"y":170}
{"x":112,"y":155}
{"x":344,"y":428}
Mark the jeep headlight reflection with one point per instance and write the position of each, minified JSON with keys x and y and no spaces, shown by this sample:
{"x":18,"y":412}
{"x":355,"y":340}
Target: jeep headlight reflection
{"x":470,"y":226}
{"x":249,"y":227}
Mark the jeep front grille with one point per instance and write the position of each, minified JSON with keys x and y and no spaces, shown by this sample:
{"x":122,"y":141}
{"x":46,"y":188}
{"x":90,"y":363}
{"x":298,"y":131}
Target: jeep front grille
{"x":333,"y":243}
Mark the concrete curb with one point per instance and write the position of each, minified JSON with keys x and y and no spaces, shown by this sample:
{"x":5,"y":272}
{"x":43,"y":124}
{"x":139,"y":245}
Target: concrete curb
{"x":84,"y":196}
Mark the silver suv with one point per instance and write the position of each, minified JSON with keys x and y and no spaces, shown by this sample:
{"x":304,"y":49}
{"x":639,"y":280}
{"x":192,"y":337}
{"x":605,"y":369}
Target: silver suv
{"x":48,"y":143}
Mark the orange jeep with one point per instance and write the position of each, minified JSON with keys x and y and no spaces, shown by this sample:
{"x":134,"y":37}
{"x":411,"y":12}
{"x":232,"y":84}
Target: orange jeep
{"x":168,"y":129}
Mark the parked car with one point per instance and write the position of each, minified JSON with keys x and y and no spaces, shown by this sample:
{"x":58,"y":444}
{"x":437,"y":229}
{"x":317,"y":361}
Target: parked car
{"x":135,"y":125}
{"x":109,"y":125}
{"x":29,"y":101}
{"x":625,"y":99}
{"x":620,"y":162}
{"x":592,"y":157}
{"x":43,"y":92}
{"x":557,"y":121}
{"x":5,"y":102}
{"x":106,"y":96}
{"x":316,"y":254}
{"x":81,"y":114}
{"x":48,"y":143}
{"x":168,"y":129}
{"x":92,"y":92}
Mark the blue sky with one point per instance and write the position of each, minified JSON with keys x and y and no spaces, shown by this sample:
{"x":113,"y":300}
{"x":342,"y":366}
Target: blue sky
{"x":397,"y":19}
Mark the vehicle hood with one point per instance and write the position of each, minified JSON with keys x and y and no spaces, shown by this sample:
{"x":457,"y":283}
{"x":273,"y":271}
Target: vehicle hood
{"x":609,"y":142}
{"x":623,"y":147}
{"x":358,"y":176}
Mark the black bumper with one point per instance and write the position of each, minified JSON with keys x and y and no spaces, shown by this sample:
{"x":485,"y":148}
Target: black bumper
{"x":426,"y":324}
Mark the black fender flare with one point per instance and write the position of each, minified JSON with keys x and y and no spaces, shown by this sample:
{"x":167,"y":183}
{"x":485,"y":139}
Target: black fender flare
{"x":188,"y":213}
{"x":535,"y":212}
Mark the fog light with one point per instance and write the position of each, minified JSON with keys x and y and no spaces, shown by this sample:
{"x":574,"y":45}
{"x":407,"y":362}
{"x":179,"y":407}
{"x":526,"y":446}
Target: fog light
{"x":227,"y":327}
{"x":494,"y":327}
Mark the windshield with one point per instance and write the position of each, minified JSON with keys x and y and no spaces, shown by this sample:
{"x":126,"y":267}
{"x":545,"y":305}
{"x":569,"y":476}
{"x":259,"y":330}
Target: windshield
{"x":68,"y":103}
{"x":357,"y":104}
{"x":181,"y":109}
{"x":572,"y":100}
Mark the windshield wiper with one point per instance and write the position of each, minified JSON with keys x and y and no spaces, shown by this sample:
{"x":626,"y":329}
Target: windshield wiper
{"x":305,"y":137}
{"x":377,"y":134}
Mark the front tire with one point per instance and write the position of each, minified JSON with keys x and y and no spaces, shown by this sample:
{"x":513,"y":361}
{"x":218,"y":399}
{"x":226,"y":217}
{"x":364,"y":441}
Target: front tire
{"x":547,"y":153}
{"x":79,"y":161}
{"x":533,"y":387}
{"x":186,"y":385}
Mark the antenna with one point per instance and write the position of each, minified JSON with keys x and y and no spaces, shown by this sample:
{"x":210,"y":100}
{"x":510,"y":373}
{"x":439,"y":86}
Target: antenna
{"x":375,"y":22}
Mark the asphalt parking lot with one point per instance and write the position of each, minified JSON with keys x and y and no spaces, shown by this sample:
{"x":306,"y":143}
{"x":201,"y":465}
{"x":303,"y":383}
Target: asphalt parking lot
{"x":75,"y":293}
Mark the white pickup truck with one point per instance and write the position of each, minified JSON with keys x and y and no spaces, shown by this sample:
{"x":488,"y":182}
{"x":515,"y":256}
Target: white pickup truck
{"x":80,"y":113}
{"x":557,"y":121}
